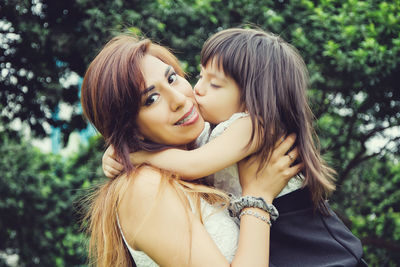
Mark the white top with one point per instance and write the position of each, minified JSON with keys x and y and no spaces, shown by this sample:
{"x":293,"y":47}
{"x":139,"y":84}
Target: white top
{"x":228,"y":178}
{"x":221,"y":227}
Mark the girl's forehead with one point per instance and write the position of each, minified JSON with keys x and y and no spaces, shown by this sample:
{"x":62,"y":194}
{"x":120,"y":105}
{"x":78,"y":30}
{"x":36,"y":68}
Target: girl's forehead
{"x":213,"y":69}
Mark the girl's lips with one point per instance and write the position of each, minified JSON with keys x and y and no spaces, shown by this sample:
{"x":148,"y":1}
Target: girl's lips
{"x":189,"y":118}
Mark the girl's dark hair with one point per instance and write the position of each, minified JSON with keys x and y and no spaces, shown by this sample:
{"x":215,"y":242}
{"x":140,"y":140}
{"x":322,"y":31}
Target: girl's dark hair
{"x":273,"y":79}
{"x":111,"y":93}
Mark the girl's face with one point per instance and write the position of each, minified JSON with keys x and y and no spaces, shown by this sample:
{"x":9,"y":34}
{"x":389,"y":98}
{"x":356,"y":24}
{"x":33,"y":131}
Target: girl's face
{"x":217,"y":95}
{"x":169,"y":113}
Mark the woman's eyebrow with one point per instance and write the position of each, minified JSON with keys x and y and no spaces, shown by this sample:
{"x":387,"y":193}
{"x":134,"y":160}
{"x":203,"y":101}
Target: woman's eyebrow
{"x":148,"y":89}
{"x":151,"y":87}
{"x":167,"y":71}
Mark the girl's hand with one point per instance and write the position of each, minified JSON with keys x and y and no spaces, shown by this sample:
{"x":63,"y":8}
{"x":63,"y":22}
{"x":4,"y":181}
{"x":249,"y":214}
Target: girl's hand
{"x":111,"y":166}
{"x":274,"y":175}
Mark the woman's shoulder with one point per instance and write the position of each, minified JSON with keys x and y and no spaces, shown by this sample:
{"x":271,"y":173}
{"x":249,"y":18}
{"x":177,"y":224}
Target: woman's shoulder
{"x":148,"y":199}
{"x":144,"y":183}
{"x":147,"y":186}
{"x":146,"y":176}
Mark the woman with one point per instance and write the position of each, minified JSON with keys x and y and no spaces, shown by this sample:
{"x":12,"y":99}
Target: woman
{"x":135,"y":95}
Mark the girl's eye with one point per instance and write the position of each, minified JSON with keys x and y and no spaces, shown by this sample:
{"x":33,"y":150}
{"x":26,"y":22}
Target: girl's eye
{"x":172,"y":78}
{"x":151,"y":99}
{"x":214,"y":85}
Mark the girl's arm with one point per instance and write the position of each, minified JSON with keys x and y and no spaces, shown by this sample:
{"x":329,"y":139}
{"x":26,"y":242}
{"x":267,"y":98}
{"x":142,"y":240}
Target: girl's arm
{"x":219,"y":153}
{"x":161,"y":225}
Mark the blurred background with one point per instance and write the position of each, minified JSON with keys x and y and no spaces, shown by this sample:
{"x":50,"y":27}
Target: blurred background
{"x":49,"y":156}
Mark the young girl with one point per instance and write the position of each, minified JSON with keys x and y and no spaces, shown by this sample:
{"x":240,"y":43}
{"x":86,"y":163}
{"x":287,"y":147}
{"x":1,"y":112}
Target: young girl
{"x":252,"y":90}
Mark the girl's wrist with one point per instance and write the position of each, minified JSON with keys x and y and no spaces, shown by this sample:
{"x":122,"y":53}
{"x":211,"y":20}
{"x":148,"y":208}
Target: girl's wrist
{"x":260,"y":214}
{"x":266,"y":196}
{"x":237,"y":205}
{"x":257,"y":210}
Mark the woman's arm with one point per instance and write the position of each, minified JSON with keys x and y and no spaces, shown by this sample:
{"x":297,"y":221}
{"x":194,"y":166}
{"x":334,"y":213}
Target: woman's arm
{"x":162,"y":226}
{"x":221,"y":152}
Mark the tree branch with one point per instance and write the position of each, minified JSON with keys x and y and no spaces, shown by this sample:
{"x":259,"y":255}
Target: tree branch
{"x":381,"y":243}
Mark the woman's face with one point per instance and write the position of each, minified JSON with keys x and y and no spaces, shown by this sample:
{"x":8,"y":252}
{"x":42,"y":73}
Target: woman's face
{"x":169,"y":113}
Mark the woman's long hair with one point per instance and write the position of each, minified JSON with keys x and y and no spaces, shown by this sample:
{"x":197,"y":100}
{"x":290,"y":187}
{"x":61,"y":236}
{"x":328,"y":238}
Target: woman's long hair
{"x":111,"y":102}
{"x":273,"y":79}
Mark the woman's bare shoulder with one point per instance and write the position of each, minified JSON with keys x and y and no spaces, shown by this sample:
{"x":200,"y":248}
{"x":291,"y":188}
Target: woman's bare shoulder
{"x":146,"y":187}
{"x":147,"y":200}
{"x":143,"y":183}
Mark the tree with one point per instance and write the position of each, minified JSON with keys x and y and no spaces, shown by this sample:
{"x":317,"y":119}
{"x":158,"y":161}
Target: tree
{"x":351,"y":49}
{"x":38,"y":220}
{"x":371,"y":207}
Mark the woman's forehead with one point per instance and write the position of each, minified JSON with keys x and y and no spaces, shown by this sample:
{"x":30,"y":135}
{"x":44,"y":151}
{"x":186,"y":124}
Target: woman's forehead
{"x":153,"y":68}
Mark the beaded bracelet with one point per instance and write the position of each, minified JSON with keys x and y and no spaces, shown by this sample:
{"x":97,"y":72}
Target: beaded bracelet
{"x":255,"y":214}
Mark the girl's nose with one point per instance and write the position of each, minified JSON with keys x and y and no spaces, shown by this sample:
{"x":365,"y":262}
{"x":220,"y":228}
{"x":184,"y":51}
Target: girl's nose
{"x":198,"y":89}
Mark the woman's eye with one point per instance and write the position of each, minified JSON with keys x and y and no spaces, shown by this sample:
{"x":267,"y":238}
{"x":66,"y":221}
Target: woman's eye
{"x":151,"y":99}
{"x":172,"y":78}
{"x":214,"y":85}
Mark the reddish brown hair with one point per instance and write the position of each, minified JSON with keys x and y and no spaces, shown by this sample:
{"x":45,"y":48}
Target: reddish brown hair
{"x":111,"y":93}
{"x":111,"y":101}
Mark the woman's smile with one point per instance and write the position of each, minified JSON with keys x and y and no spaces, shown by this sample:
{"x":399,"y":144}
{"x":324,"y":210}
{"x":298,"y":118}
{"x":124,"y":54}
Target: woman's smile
{"x":169,"y":114}
{"x":189,"y":118}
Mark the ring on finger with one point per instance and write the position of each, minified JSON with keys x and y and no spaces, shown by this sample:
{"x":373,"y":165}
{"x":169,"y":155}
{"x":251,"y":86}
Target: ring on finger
{"x":290,"y":156}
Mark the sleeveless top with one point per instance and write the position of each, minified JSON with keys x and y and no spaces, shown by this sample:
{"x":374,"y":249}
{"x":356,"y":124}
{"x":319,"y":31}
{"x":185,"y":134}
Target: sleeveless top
{"x":228,"y":178}
{"x":221,"y":227}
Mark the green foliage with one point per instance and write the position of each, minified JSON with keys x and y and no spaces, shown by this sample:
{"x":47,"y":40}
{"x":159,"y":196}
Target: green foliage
{"x":38,"y":191}
{"x":371,"y":209}
{"x":351,"y":49}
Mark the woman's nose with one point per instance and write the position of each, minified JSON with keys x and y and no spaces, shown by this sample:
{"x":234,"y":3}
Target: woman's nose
{"x":177,"y":99}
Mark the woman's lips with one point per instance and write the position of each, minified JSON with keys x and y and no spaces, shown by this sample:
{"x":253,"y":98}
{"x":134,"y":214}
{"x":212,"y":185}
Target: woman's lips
{"x":189,"y":118}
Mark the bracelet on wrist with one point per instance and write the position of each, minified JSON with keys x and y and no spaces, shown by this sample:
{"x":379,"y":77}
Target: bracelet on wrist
{"x":255,"y":214}
{"x":237,"y":205}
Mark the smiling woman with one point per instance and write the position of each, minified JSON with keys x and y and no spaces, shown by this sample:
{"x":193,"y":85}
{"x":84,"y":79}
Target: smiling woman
{"x":135,"y":95}
{"x":169,"y":109}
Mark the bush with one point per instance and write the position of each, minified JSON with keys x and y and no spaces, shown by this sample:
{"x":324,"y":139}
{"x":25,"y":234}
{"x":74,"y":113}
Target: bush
{"x":38,"y":191}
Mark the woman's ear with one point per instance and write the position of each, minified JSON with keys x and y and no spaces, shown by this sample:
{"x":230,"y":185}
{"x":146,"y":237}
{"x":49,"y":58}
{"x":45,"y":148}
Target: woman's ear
{"x":138,"y":134}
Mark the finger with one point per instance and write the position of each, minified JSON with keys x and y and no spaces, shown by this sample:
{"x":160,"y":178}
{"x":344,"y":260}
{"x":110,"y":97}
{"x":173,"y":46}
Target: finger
{"x":116,"y":165}
{"x":280,"y":140}
{"x":108,"y":175}
{"x":285,"y":145}
{"x":113,"y":163}
{"x":292,"y":171}
{"x":110,"y":172}
{"x":109,"y":153}
{"x":293,"y":154}
{"x":113,"y":170}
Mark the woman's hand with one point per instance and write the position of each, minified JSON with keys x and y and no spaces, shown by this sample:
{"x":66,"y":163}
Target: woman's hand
{"x":111,"y":166}
{"x":274,"y":175}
